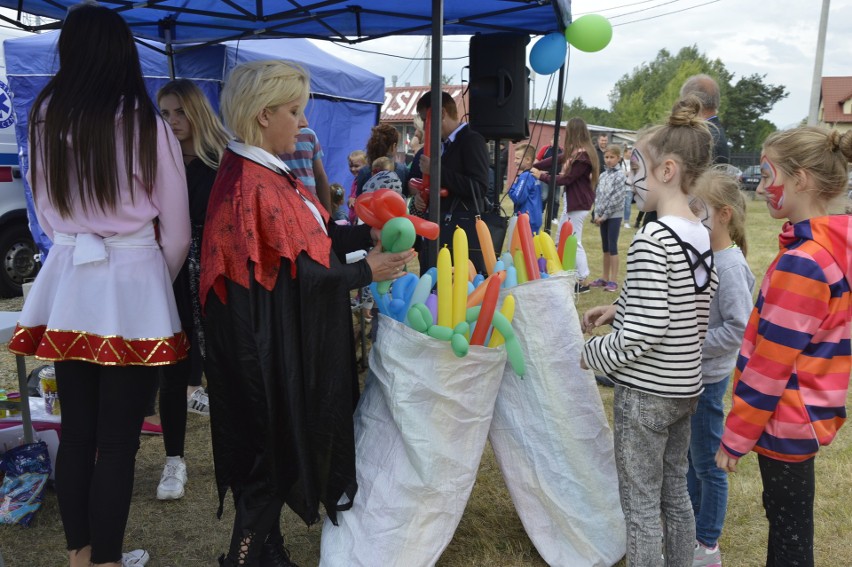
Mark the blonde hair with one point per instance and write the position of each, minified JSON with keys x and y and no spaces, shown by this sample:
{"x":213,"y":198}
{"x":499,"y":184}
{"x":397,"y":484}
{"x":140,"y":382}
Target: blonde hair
{"x":685,"y":137}
{"x":209,"y":137}
{"x":822,"y":153}
{"x":256,"y":85}
{"x":718,"y":189}
{"x":527,"y":151}
{"x":359,"y":155}
{"x":614,"y":149}
{"x":383,"y":163}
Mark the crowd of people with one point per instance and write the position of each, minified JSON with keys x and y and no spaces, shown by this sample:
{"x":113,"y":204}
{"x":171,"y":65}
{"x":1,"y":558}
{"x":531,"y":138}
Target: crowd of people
{"x":186,"y":246}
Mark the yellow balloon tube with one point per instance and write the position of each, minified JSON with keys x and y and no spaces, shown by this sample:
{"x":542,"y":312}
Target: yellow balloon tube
{"x":460,"y":276}
{"x":508,"y":310}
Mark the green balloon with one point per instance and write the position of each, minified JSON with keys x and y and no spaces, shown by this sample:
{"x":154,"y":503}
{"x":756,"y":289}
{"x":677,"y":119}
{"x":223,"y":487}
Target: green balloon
{"x":590,"y":33}
{"x":398,"y":235}
{"x":460,"y":345}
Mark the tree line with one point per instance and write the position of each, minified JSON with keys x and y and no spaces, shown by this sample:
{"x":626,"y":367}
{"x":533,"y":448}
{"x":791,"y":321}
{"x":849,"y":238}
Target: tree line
{"x":646,"y":95}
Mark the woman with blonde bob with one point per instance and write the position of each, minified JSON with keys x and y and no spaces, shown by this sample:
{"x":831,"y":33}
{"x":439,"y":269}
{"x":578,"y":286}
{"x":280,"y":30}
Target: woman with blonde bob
{"x":276,"y":292}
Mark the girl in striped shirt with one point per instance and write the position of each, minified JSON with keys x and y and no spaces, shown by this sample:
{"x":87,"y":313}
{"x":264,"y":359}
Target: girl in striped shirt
{"x":792,"y":374}
{"x":653,"y":354}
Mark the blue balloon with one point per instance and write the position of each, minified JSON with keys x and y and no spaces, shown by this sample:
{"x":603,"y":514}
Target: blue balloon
{"x":548,"y":54}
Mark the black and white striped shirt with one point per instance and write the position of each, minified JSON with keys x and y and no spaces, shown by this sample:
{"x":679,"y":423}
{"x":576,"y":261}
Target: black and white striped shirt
{"x":661,"y":315}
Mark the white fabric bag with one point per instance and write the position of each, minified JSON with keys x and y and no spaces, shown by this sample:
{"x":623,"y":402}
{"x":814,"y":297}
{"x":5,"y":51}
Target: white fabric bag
{"x":551,"y":437}
{"x":420,"y":430}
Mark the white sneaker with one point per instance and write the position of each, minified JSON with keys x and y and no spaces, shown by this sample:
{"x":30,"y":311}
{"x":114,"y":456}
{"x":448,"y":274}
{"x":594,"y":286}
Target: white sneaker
{"x":627,"y":225}
{"x":198,"y":402}
{"x":706,"y":556}
{"x":172,"y":480}
{"x":135,"y":558}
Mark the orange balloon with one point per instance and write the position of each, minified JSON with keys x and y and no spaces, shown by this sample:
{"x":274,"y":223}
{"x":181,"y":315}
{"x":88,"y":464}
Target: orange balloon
{"x":475,"y":298}
{"x":486,"y":245}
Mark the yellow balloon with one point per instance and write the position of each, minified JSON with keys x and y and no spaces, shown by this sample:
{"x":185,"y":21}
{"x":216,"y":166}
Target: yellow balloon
{"x":445,"y":288}
{"x":539,"y":251}
{"x":508,"y":310}
{"x":549,"y":249}
{"x":460,"y":277}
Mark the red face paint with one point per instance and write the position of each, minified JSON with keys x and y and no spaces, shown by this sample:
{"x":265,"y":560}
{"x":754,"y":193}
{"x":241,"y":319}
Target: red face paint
{"x":774,"y":193}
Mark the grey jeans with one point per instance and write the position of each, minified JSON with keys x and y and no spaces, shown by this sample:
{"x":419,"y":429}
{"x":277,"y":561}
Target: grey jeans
{"x":651,"y":445}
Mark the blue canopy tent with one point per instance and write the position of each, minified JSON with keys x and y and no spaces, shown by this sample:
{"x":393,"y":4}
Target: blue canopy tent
{"x":177,"y":23}
{"x":345,"y":102}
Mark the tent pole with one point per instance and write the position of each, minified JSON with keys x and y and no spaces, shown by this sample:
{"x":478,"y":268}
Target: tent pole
{"x":552,"y":198}
{"x":435,"y":134}
{"x":170,"y":52}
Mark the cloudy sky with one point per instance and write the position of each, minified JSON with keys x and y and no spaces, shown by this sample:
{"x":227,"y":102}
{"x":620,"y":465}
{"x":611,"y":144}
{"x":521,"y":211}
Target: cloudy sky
{"x":777,"y":38}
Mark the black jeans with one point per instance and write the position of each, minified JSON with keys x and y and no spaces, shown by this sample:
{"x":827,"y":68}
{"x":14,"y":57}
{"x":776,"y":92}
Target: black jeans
{"x":788,"y":499}
{"x":102,"y":412}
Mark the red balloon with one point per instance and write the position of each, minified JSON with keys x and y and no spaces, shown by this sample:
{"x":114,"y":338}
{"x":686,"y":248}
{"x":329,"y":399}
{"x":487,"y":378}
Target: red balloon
{"x":387,"y":202}
{"x":363,"y":208}
{"x":486,"y":314}
{"x":424,"y":228}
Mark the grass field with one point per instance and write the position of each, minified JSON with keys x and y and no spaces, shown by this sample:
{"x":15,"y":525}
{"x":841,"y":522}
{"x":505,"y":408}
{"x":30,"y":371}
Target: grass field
{"x":187,"y":533}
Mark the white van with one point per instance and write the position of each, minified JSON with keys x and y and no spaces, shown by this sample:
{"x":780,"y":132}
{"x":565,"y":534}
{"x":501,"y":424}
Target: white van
{"x":18,"y":251}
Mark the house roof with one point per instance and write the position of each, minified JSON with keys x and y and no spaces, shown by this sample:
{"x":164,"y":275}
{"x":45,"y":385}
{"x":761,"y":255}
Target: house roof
{"x":836,"y":91}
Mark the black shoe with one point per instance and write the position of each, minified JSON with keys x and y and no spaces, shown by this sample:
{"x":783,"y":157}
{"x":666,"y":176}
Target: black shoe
{"x":274,"y":554}
{"x":581,"y":288}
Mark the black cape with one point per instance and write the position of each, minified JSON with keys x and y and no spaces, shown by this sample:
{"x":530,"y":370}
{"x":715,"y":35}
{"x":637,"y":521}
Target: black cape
{"x":283,"y":385}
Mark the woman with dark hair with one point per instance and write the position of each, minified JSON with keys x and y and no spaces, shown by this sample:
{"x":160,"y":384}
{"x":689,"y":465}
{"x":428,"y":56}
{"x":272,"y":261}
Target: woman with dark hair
{"x":110,"y":192}
{"x":382,"y":143}
{"x":579,"y":175}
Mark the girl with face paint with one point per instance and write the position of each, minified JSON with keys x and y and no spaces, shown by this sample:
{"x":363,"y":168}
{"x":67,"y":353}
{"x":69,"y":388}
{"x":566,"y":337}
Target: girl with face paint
{"x":792,"y":374}
{"x":718,"y":202}
{"x":653,"y":354}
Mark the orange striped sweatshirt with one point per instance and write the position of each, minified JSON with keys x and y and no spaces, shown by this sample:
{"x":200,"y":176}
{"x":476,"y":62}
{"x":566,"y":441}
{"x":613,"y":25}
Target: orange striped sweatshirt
{"x":793,"y":369}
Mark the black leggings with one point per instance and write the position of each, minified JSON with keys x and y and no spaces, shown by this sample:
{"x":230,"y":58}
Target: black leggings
{"x":788,"y":499}
{"x":102,"y":412}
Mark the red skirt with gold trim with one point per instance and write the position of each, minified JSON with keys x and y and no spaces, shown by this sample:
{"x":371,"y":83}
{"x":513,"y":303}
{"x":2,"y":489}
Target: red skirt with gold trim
{"x":119,"y":311}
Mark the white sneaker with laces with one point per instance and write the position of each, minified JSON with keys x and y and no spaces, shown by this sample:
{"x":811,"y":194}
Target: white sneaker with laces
{"x":198,"y":402}
{"x":172,"y":480}
{"x":135,"y":558}
{"x":706,"y":556}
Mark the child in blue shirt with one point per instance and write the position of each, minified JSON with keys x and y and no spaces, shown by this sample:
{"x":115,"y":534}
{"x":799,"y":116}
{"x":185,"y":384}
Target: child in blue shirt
{"x":526,"y":190}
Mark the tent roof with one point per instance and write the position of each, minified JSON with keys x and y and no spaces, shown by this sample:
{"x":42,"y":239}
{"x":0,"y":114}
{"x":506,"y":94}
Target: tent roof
{"x":343,"y":20}
{"x":330,"y":76}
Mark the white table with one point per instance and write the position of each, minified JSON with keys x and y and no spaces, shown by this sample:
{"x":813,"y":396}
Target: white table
{"x":8,"y":321}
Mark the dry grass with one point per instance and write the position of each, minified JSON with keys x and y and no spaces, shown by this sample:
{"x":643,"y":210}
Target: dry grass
{"x":186,"y":532}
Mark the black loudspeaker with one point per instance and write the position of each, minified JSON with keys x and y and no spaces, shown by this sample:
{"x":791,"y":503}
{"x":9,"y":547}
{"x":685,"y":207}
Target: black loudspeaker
{"x":499,"y":86}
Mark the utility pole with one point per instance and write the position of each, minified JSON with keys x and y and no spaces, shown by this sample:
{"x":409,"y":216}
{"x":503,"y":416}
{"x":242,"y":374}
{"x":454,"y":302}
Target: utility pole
{"x":816,"y":86}
{"x":426,"y":60}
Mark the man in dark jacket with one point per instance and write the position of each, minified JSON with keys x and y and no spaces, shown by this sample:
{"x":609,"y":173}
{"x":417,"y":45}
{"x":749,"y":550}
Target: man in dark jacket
{"x":464,"y":173}
{"x":707,"y":91}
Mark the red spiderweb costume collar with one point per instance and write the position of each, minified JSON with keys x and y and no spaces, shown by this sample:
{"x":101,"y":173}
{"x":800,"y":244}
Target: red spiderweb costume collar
{"x":260,"y":215}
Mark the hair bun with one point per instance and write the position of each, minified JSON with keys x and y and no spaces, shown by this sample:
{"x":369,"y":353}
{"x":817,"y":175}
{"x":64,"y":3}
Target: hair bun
{"x":833,"y":140}
{"x":685,"y":111}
